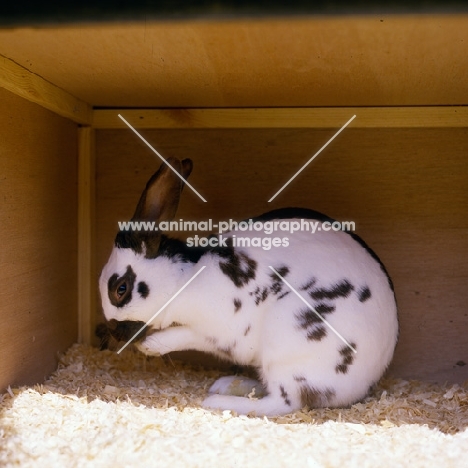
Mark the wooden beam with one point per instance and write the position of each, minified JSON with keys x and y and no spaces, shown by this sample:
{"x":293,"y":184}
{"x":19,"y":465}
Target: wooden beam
{"x":86,"y":222}
{"x":22,"y":82}
{"x":326,"y":117}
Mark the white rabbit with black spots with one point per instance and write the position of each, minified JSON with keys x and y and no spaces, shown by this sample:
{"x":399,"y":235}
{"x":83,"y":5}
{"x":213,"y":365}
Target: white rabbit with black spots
{"x":239,"y":309}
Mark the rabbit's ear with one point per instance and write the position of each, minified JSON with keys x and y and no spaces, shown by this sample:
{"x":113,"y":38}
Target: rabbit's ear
{"x":160,"y":199}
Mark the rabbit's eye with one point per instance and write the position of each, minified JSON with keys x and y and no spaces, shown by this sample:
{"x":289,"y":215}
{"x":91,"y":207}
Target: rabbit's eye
{"x":119,"y":288}
{"x":122,"y":289}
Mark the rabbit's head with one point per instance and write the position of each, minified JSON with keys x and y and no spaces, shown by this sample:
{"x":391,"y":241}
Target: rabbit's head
{"x":139,"y":276}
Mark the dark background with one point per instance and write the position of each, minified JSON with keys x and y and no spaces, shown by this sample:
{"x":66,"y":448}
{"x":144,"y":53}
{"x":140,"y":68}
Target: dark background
{"x":23,"y":12}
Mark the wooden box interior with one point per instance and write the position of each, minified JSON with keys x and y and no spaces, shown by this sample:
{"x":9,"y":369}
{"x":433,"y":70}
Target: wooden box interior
{"x":250,"y":101}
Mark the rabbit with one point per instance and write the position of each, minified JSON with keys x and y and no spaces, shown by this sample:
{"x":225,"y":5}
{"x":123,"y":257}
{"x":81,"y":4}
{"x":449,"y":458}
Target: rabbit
{"x":324,"y":350}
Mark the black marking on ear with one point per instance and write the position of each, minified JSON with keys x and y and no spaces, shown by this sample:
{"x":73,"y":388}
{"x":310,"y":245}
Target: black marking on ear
{"x":259,"y":294}
{"x":342,"y":289}
{"x":364,"y":294}
{"x":347,"y":358}
{"x":238,"y":267}
{"x":285,"y":396}
{"x":237,"y":304}
{"x":119,"y":289}
{"x":143,"y":289}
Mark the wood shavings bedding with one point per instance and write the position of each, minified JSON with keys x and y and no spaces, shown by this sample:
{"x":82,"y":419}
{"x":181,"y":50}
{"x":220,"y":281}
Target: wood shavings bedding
{"x":100,"y":409}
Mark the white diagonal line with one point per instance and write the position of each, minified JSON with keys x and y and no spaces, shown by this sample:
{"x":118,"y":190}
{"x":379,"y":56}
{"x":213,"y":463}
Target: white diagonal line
{"x":312,"y":158}
{"x":160,"y":157}
{"x":161,"y":309}
{"x":312,"y":309}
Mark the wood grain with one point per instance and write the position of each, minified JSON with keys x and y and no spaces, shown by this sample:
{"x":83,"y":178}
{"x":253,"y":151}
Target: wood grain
{"x":32,"y":87}
{"x":38,"y":235}
{"x":366,"y":117}
{"x":86,"y":234}
{"x":406,"y":189}
{"x":309,"y":61}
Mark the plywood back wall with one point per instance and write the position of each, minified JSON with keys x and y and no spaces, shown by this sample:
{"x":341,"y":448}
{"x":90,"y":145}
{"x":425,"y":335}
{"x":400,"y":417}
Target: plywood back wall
{"x":38,"y":210}
{"x":407,"y":191}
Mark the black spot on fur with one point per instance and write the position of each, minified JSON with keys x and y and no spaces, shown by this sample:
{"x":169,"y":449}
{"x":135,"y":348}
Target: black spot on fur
{"x":155,"y":244}
{"x":237,"y":305}
{"x":347,"y":358}
{"x":341,"y":368}
{"x":316,"y":398}
{"x":342,"y":289}
{"x":277,"y":283}
{"x":364,"y":294}
{"x":324,"y":309}
{"x":247,"y":330}
{"x":259,"y":294}
{"x":139,"y":241}
{"x":308,"y":285}
{"x":143,"y":289}
{"x":285,"y":396}
{"x":307,"y":318}
{"x":317,"y":333}
{"x":238,"y":267}
{"x":285,"y":293}
{"x":299,"y":378}
{"x":311,"y":322}
{"x":119,"y":288}
{"x":177,"y":250}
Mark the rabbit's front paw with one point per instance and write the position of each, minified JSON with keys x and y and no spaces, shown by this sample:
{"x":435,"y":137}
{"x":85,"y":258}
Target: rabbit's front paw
{"x":149,"y":346}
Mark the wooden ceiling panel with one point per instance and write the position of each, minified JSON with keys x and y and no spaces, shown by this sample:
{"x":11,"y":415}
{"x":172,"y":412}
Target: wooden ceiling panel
{"x":302,"y":61}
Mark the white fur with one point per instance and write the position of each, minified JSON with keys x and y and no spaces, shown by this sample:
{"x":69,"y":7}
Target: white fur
{"x":275,"y":343}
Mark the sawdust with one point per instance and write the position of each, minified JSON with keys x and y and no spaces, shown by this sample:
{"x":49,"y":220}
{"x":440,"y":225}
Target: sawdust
{"x":100,"y":409}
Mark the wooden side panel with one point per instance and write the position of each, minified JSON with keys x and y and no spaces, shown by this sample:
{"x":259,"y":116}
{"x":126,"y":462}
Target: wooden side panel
{"x":406,"y":190}
{"x":38,"y":238}
{"x":86,"y":240}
